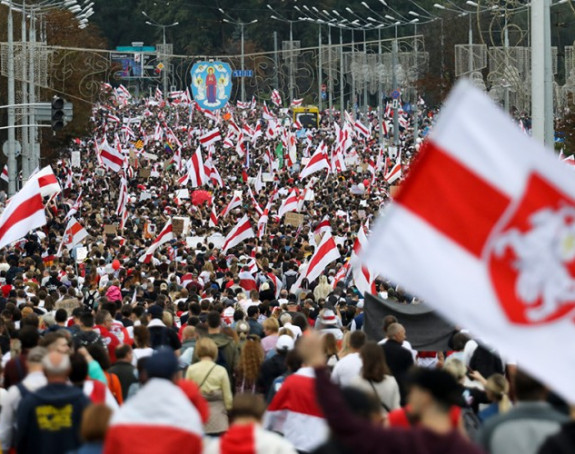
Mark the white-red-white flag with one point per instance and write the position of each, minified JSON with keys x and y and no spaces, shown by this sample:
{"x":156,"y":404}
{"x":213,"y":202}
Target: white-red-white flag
{"x":276,"y":98}
{"x":196,"y":169}
{"x":290,"y":203}
{"x":111,"y":157}
{"x":213,"y":217}
{"x":296,"y":102}
{"x":394,"y":174}
{"x":236,"y":202}
{"x":364,"y":280}
{"x":24,"y":212}
{"x":325,"y":253}
{"x":4,"y":175}
{"x":361,"y":129}
{"x":210,"y":137}
{"x":167,"y":234}
{"x":323,"y":226}
{"x":500,"y":230}
{"x":47,"y":182}
{"x":73,"y":235}
{"x":241,"y":232}
{"x":317,"y":162}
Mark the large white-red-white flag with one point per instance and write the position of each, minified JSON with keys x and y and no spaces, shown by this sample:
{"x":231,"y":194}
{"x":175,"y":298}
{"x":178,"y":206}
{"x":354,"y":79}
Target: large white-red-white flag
{"x":111,"y":157}
{"x":196,"y":169}
{"x":241,"y":232}
{"x":236,"y":202}
{"x":47,"y":181}
{"x":73,"y":235}
{"x":325,"y":253}
{"x":290,"y":203}
{"x":167,"y":234}
{"x":211,"y":137}
{"x":394,"y":174}
{"x":24,"y":212}
{"x":499,"y":229}
{"x":363,"y":278}
{"x":317,"y":162}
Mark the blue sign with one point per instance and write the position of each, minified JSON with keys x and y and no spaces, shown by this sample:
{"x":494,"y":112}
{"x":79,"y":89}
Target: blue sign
{"x":395,"y":94}
{"x":243,"y":73}
{"x":211,"y":84}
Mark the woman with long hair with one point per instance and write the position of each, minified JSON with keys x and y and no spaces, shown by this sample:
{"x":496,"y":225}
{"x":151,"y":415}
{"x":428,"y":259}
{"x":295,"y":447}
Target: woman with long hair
{"x":249,"y":366}
{"x":497,"y":391}
{"x":376,"y":378}
{"x":330,"y":349}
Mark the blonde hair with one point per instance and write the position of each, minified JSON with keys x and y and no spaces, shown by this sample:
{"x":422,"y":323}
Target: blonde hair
{"x":206,"y":347}
{"x":497,"y":388}
{"x":271,"y":324}
{"x":456,"y":368}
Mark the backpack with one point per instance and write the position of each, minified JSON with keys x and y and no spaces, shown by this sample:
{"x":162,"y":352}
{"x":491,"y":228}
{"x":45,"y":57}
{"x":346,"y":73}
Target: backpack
{"x":471,"y":423}
{"x":221,"y":359}
{"x":290,"y":280}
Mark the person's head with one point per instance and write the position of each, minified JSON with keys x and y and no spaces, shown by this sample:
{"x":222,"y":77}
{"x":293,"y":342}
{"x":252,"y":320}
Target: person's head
{"x":271,"y":326}
{"x":189,"y":332}
{"x":329,"y":344}
{"x":28,"y":337}
{"x":388,"y":320}
{"x":56,"y":367}
{"x":253,"y":312}
{"x":79,"y":369}
{"x":57,"y":341}
{"x":61,"y":316}
{"x":206,"y":348}
{"x":86,"y":320}
{"x":163,"y":363}
{"x":124,"y":353}
{"x":100,"y":354}
{"x":155,"y":312}
{"x":356,"y":340}
{"x":456,"y":368}
{"x":374,"y":366}
{"x":95,"y":421}
{"x":497,"y":389}
{"x":396,"y":332}
{"x":431,"y":390}
{"x":104,"y":318}
{"x":247,"y":408}
{"x":214,"y":321}
{"x":34,"y":359}
{"x":459,"y":341}
{"x":528,"y":389}
{"x":362,"y":404}
{"x":251,"y":359}
{"x":141,"y":336}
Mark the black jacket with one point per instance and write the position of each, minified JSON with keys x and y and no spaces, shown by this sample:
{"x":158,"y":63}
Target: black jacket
{"x":271,"y":369}
{"x":49,"y":420}
{"x":399,"y":361}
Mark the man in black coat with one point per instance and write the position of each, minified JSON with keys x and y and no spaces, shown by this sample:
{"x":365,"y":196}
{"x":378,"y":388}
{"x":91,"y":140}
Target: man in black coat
{"x":398,"y":359}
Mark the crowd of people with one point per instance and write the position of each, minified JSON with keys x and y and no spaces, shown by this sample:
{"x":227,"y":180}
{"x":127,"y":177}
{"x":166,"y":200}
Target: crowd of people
{"x":190,"y":347}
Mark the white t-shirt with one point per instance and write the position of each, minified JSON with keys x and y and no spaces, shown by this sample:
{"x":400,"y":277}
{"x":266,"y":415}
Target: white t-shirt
{"x":347,"y":369}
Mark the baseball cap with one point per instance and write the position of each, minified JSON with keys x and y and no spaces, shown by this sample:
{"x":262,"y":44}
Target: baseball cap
{"x":284,"y":343}
{"x":162,"y":364}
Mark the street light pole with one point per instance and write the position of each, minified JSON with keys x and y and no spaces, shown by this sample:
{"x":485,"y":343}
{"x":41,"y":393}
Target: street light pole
{"x":242,"y":61}
{"x":24,"y":84}
{"x":291,"y":81}
{"x":470,"y":55}
{"x":394,"y":87}
{"x":379,"y":92}
{"x":166,"y":63}
{"x":319,"y":69}
{"x":341,"y":80}
{"x":329,"y":74}
{"x":12,"y":170}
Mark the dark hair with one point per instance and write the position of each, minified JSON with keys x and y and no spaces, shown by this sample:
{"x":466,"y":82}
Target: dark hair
{"x":253,"y":310}
{"x":30,"y":320}
{"x":375,"y":366}
{"x":360,"y":403}
{"x":28,"y":337}
{"x":95,"y":421}
{"x":248,"y":405}
{"x":214,"y":319}
{"x":122,"y":351}
{"x":100,"y":354}
{"x":61,"y":316}
{"x":388,"y":320}
{"x":87,"y":319}
{"x":141,"y":336}
{"x":357,"y":340}
{"x":459,"y":341}
{"x":300,"y":321}
{"x":78,"y":368}
{"x":528,"y":388}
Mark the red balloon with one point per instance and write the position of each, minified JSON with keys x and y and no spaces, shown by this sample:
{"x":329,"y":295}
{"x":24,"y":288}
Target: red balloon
{"x":366,"y":183}
{"x":116,"y":265}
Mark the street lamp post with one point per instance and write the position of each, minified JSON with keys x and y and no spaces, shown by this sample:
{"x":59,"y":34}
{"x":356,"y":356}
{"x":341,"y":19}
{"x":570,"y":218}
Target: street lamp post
{"x":165,"y":55}
{"x":12,"y":170}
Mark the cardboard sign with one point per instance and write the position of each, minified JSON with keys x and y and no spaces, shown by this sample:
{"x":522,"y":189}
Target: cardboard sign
{"x":183,"y":194}
{"x":180,"y":225}
{"x":361,"y":214}
{"x":295,"y":219}
{"x":192,"y":241}
{"x":267,"y":177}
{"x":110,"y":229}
{"x":145,"y":195}
{"x":81,"y":254}
{"x":144,"y":173}
{"x":149,"y":156}
{"x":217,"y":240}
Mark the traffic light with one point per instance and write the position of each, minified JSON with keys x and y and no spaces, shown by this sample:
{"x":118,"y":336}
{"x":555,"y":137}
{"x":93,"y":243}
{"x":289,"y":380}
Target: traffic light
{"x":57,"y":115}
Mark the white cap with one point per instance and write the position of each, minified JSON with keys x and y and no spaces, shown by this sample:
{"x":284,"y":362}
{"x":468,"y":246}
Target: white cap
{"x":284,"y":343}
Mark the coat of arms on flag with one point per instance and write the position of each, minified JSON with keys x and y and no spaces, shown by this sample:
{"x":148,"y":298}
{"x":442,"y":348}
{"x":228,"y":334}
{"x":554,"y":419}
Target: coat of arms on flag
{"x":211,"y":84}
{"x":492,"y":245}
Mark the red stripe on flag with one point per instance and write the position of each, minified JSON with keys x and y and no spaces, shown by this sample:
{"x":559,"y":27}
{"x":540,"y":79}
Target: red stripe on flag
{"x":112,"y":158}
{"x":452,"y":198}
{"x":26,"y":209}
{"x":321,"y":253}
{"x":46,"y":180}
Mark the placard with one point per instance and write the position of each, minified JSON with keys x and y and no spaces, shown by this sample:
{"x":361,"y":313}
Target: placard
{"x":309,"y":195}
{"x":145,"y":195}
{"x":81,"y":254}
{"x":110,"y":229}
{"x":149,"y":156}
{"x":217,"y":240}
{"x":144,"y":173}
{"x":183,"y":194}
{"x":192,"y":241}
{"x":180,"y":225}
{"x":361,"y":214}
{"x":295,"y":219}
{"x":75,"y":159}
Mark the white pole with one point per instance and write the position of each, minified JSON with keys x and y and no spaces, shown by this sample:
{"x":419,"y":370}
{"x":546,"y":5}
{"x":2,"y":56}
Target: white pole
{"x":319,"y":69}
{"x":538,"y":69}
{"x":329,"y":75}
{"x":341,"y":87}
{"x":34,"y":157}
{"x":26,"y":55}
{"x":470,"y":56}
{"x":549,"y":111}
{"x":12,"y":169}
{"x":243,"y":91}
